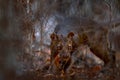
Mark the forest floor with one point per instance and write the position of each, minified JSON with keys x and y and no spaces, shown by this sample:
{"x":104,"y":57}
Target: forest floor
{"x":110,"y":71}
{"x":106,"y":73}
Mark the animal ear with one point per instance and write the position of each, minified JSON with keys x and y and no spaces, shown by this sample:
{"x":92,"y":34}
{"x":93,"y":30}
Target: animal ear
{"x":70,"y":35}
{"x":54,"y":36}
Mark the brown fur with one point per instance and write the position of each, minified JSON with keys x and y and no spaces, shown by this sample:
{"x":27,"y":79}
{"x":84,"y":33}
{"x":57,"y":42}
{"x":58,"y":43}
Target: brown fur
{"x":97,"y":42}
{"x":64,"y":48}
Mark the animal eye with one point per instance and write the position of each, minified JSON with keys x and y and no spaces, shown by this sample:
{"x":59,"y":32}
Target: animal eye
{"x":69,"y":47}
{"x":59,"y":47}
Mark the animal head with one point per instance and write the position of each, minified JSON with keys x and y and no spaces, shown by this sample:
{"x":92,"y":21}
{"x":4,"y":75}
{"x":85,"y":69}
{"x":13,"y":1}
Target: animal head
{"x":63,"y":45}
